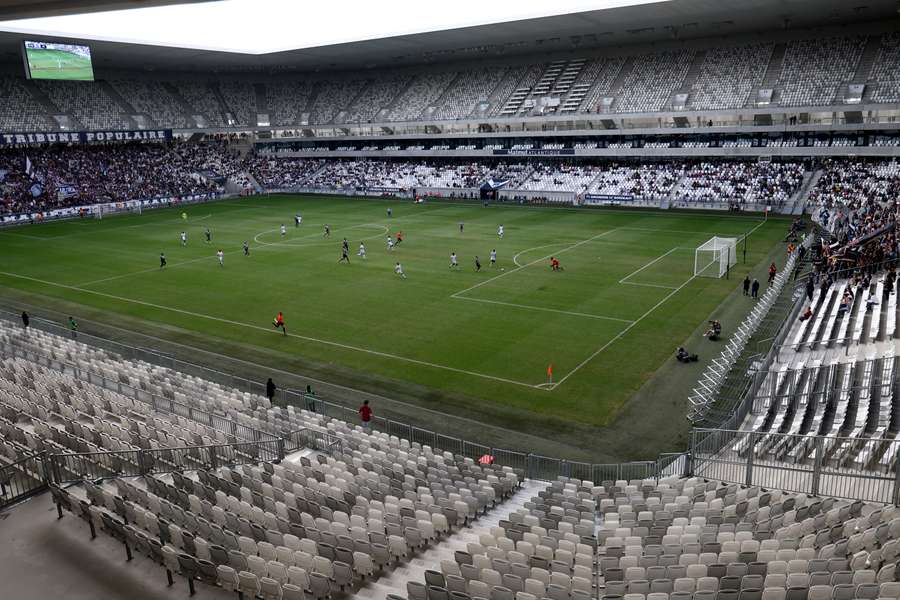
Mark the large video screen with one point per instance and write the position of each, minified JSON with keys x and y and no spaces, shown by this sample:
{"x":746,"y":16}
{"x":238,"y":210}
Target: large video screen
{"x":49,"y":60}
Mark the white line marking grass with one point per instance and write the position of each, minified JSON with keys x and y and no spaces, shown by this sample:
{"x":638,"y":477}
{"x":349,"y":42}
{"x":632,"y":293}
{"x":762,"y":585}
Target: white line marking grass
{"x":649,"y":264}
{"x":272,"y":331}
{"x":541,"y":308}
{"x":621,"y":334}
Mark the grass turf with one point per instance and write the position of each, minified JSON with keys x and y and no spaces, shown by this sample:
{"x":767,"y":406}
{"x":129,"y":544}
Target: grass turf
{"x":480,"y":342}
{"x":58,"y":64}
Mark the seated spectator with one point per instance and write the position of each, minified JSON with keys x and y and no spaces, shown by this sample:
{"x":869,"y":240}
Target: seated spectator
{"x":807,"y":314}
{"x":683,"y":356}
{"x":714,"y":331}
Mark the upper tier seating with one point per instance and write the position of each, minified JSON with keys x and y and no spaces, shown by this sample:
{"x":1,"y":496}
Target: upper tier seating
{"x":728,"y":75}
{"x":813,"y":69}
{"x":650,"y":83}
{"x":886,"y":69}
{"x":201,"y":98}
{"x":18,"y":110}
{"x":421,"y":93}
{"x":152,"y":99}
{"x":332,"y":97}
{"x":240,"y":98}
{"x":89,"y":104}
{"x":287,"y":101}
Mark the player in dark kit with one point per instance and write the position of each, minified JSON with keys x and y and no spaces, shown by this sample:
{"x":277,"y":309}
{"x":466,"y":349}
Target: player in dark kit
{"x":345,"y":254}
{"x":477,"y":264}
{"x":162,"y":260}
{"x":345,"y":245}
{"x":208,"y":234}
{"x":327,"y":231}
{"x":390,"y":212}
{"x":246,"y":249}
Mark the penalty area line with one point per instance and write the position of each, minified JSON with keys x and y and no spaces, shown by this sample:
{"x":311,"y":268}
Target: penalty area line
{"x":270,"y":330}
{"x":620,"y":335}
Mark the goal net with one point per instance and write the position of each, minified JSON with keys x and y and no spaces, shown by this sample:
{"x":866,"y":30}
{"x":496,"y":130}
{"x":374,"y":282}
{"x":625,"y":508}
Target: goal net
{"x":715,"y":257}
{"x":101,"y":211}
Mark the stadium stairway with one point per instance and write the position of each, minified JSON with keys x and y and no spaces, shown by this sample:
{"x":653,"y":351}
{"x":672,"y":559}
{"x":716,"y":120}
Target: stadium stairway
{"x":396,"y":582}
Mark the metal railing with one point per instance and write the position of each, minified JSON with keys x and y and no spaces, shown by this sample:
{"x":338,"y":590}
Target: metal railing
{"x":711,"y":385}
{"x":22,"y":478}
{"x":532,"y":465}
{"x":843,"y":467}
{"x":69,"y":468}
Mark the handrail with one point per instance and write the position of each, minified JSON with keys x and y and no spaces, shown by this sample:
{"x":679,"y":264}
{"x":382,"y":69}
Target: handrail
{"x":22,"y":478}
{"x":532,"y":465}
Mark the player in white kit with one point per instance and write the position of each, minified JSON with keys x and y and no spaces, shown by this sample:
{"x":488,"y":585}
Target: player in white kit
{"x":453,"y":263}
{"x":221,"y":256}
{"x":183,"y":238}
{"x":500,"y":232}
{"x":362,"y":250}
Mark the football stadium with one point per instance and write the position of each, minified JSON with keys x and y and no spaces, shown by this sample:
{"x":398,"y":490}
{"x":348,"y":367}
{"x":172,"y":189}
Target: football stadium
{"x":517,"y":301}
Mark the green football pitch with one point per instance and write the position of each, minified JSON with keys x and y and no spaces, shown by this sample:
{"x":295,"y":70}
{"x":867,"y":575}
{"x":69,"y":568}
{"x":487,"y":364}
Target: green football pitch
{"x":57,"y":64}
{"x":469,"y":341}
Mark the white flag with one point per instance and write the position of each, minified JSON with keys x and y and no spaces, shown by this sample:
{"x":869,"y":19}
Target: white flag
{"x":28,"y":168}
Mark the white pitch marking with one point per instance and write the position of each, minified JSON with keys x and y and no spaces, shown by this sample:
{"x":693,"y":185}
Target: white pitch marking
{"x":270,"y":330}
{"x":535,"y":261}
{"x":541,"y":308}
{"x":622,"y":333}
{"x":527,"y":250}
{"x":649,"y":264}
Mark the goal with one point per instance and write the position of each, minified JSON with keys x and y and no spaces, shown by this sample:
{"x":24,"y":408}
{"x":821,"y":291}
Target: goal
{"x":715,"y":257}
{"x":100,"y":211}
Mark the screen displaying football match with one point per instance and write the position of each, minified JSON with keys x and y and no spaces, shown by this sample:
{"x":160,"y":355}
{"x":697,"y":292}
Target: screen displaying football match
{"x":49,"y":60}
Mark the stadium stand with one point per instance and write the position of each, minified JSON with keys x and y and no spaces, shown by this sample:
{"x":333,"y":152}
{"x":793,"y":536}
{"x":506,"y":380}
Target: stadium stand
{"x":240,"y":100}
{"x":75,"y":176}
{"x":377,"y":96}
{"x":728,"y":75}
{"x":152,"y":99}
{"x":287,"y":101}
{"x":652,"y":80}
{"x":813,"y":69}
{"x":332,"y":97}
{"x":90,"y":105}
{"x":810,"y":72}
{"x":425,"y":89}
{"x":469,"y":89}
{"x":18,"y":110}
{"x":886,"y":68}
{"x":200,"y":97}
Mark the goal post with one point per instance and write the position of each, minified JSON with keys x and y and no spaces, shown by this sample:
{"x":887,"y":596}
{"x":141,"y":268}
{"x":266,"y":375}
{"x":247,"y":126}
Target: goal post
{"x":715,"y":257}
{"x":101,"y":211}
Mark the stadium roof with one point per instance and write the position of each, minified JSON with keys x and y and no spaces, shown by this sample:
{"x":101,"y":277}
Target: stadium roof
{"x":21,"y":9}
{"x":617,"y":26}
{"x":263,"y":27}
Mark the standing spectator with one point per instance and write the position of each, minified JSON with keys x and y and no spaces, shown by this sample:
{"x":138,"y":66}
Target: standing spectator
{"x":889,"y":280}
{"x":747,"y":285}
{"x":26,"y":320}
{"x":270,"y":389}
{"x":365,"y":415}
{"x":73,"y":327}
{"x":773,"y":270}
{"x":310,"y":399}
{"x":810,"y":287}
{"x":754,"y":289}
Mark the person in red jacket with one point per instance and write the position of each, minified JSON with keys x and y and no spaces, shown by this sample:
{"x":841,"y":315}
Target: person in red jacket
{"x":554,"y":264}
{"x":279,"y":323}
{"x":365,"y":415}
{"x":773,"y":270}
